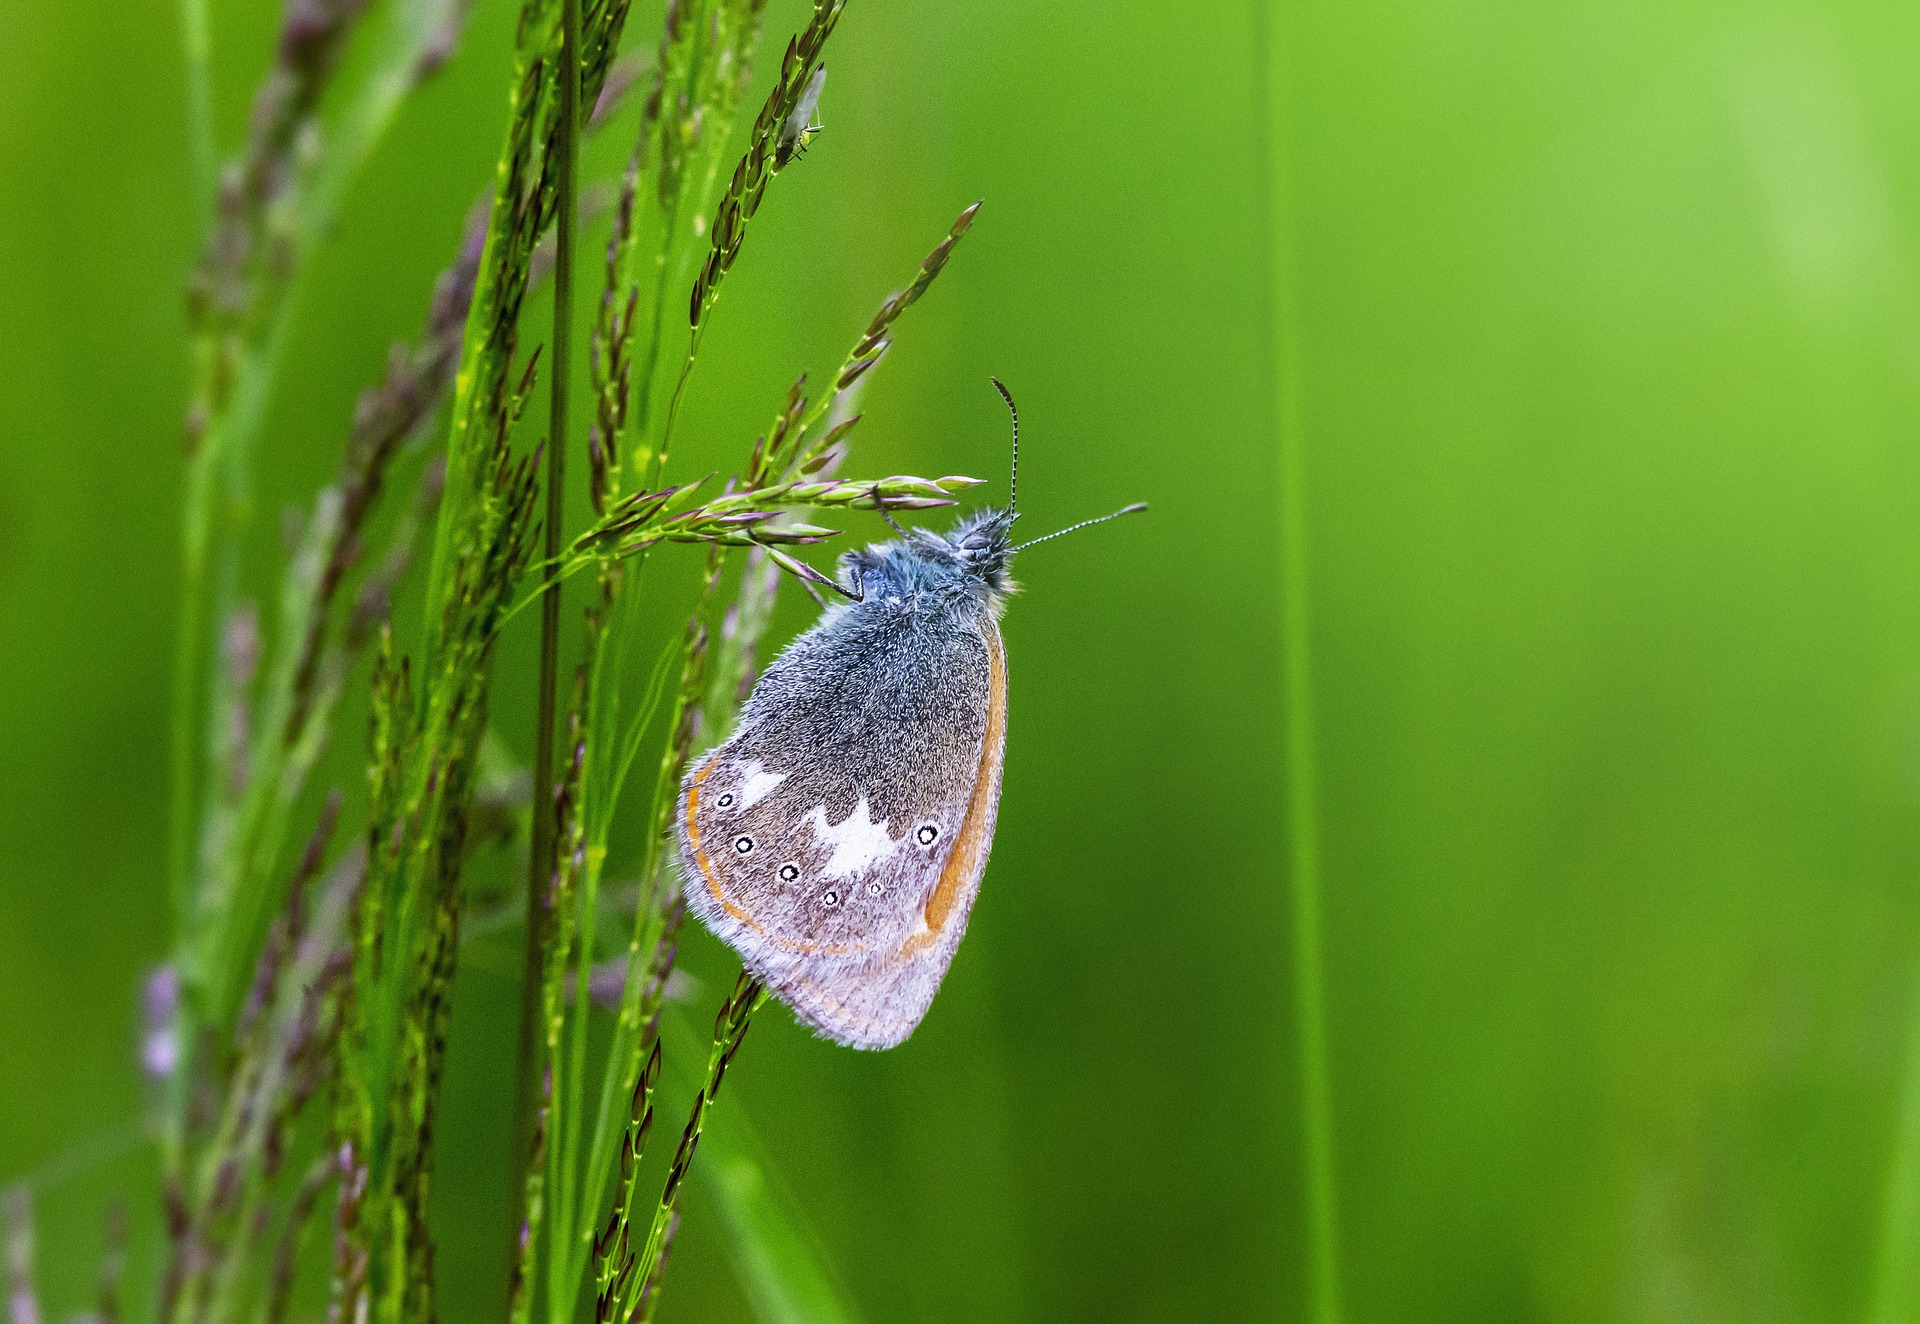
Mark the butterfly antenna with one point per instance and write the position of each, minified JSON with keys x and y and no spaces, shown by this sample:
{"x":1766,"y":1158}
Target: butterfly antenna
{"x":1134,"y":509}
{"x":1013,"y":483}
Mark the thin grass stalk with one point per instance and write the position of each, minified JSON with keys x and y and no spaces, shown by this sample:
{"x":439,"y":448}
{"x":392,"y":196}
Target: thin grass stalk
{"x":706,"y":63}
{"x":613,"y":1254}
{"x":541,"y":863}
{"x":1299,"y":755}
{"x":650,"y":1291}
{"x":1895,"y":1296}
{"x":566,"y":918}
{"x":729,"y":1031}
{"x":597,"y":708}
{"x":588,"y":816}
{"x":658,"y":916}
{"x":649,"y":961}
{"x":526,"y":1261}
{"x":196,"y":60}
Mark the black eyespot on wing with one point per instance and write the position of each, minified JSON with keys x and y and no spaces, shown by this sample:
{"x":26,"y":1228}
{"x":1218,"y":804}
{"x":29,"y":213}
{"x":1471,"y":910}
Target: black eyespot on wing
{"x":928,"y":834}
{"x":789,"y":873}
{"x":830,"y":898}
{"x":743,"y":844}
{"x":726,"y":801}
{"x":875,"y":888}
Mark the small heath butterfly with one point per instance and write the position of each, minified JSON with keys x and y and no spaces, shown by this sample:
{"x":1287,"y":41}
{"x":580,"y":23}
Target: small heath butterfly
{"x":837,"y":839}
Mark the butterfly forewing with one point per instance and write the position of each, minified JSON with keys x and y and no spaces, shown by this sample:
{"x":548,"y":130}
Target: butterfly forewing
{"x":837,"y":840}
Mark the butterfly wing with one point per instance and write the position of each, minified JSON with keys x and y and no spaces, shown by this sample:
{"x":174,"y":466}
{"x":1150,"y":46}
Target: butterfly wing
{"x":837,"y":840}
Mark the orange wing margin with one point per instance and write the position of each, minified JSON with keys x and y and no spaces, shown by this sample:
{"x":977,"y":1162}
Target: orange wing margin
{"x":963,"y":865}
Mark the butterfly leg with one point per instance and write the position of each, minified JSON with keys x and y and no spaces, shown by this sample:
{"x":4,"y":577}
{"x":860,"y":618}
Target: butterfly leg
{"x":858,"y":593}
{"x":880,"y":504}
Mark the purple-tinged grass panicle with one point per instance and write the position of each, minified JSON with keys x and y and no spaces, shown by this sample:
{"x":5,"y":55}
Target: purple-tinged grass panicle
{"x":23,"y":1305}
{"x":288,"y":705}
{"x":276,"y":204}
{"x":279,"y":1062}
{"x":320,"y":1174}
{"x":386,"y":416}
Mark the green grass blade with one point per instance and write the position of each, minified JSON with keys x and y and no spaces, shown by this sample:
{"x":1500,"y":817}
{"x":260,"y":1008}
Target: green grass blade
{"x":1896,"y":1283}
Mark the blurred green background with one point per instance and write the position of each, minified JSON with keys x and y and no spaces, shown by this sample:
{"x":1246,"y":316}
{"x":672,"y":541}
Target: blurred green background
{"x":1609,"y":388}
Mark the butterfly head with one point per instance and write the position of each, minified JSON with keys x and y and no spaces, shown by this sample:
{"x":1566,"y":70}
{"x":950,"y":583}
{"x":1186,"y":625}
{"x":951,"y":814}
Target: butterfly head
{"x":972,"y":561}
{"x":967,"y":565}
{"x":981,"y":546}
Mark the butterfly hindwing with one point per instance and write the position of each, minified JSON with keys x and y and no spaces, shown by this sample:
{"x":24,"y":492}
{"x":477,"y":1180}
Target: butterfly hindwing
{"x":837,"y":840}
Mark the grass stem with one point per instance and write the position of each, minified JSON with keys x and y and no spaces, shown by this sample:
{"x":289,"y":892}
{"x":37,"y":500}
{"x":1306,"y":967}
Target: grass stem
{"x":541,"y":856}
{"x":196,"y":51}
{"x":1298,"y":755}
{"x":1896,"y":1278}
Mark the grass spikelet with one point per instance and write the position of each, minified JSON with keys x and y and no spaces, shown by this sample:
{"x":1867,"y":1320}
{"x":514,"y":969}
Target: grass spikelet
{"x":764,"y":156}
{"x":729,"y":1030}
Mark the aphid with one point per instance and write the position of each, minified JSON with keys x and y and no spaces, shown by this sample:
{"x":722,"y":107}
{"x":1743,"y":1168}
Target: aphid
{"x":797,"y":130}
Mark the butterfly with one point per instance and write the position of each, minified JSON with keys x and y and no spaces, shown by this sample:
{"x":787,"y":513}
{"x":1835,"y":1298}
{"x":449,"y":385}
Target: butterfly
{"x":837,"y":839}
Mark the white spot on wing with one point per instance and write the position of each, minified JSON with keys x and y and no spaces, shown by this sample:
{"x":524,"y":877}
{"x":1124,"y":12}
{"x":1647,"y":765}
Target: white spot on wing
{"x":758,"y":782}
{"x":856,"y":841}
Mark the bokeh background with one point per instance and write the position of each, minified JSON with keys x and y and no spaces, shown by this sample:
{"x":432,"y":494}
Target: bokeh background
{"x":1606,"y":371}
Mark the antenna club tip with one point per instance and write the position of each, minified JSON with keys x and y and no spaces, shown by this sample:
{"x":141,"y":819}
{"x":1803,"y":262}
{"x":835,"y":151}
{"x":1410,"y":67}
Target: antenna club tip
{"x":1137,"y":508}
